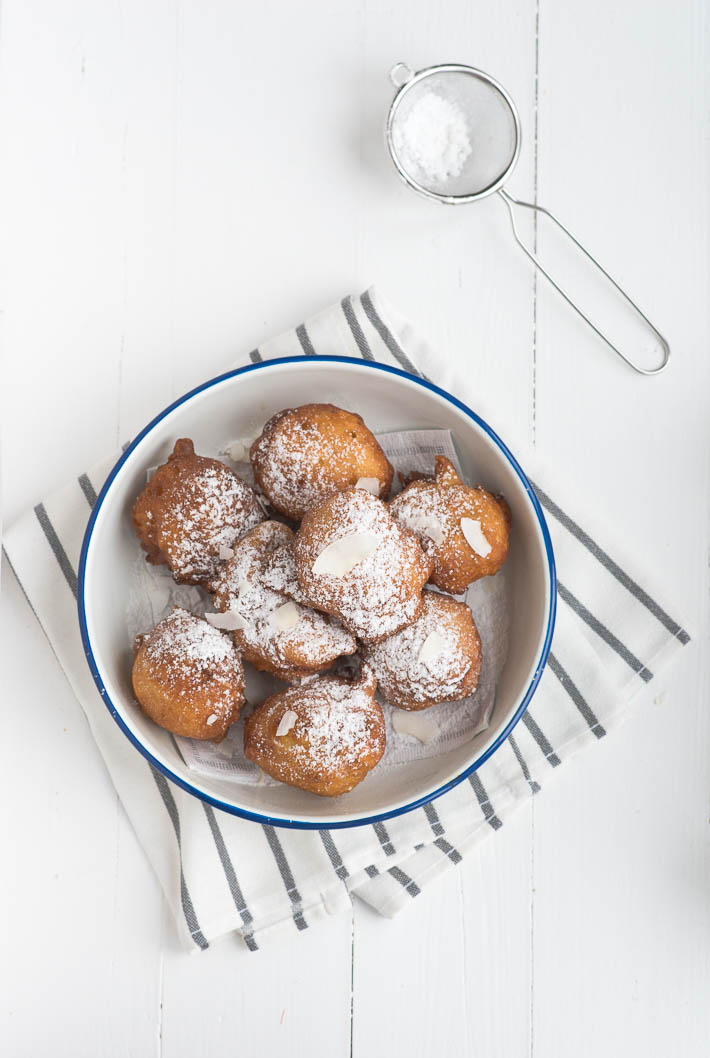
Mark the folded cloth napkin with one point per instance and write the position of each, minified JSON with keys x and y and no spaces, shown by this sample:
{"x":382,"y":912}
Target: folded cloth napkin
{"x":223,"y":874}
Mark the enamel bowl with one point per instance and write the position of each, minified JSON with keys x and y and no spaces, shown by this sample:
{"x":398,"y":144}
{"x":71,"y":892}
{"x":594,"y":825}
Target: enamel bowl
{"x":237,"y":405}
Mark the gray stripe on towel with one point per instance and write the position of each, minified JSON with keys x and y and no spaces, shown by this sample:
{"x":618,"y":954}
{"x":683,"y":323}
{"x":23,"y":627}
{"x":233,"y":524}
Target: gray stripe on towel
{"x":386,"y":335}
{"x":534,"y":786}
{"x":383,"y":837}
{"x":484,"y":801}
{"x":448,"y":850}
{"x":357,"y":332}
{"x":230,"y":874}
{"x":438,"y":829}
{"x":56,"y":546}
{"x":608,"y":562}
{"x":187,"y":906}
{"x":306,"y":344}
{"x":404,"y":880}
{"x":576,"y":696}
{"x":541,"y":739}
{"x":286,"y":876}
{"x":603,"y":632}
{"x":333,"y":855}
{"x":88,"y":489}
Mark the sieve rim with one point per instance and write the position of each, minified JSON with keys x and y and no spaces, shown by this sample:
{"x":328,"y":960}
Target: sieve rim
{"x":420,"y":75}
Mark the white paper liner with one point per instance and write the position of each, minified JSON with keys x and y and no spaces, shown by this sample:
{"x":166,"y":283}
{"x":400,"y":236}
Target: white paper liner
{"x":153,"y":593}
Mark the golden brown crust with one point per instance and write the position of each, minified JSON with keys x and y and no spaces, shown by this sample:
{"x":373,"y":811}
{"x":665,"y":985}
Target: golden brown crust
{"x":288,"y":639}
{"x":305,"y":453}
{"x":188,"y":677}
{"x":440,"y":512}
{"x":333,"y":734}
{"x":436,"y":659}
{"x":190,"y":510}
{"x":380,"y":592}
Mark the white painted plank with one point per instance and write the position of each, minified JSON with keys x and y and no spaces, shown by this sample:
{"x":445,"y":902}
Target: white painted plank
{"x":452,"y":973}
{"x":81,"y":934}
{"x":620,"y":919}
{"x":292,"y":998}
{"x":409,"y":988}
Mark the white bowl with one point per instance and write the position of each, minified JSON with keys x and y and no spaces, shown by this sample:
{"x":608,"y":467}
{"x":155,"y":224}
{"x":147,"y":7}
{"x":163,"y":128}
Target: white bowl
{"x":238,"y":404}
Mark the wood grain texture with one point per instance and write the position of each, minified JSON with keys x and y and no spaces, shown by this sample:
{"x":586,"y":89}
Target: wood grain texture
{"x":180,"y":181}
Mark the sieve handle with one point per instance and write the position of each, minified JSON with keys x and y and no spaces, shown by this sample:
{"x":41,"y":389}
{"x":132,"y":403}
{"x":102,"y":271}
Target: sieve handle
{"x":510,"y":202}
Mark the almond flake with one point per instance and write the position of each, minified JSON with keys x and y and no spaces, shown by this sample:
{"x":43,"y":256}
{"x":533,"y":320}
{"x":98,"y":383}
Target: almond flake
{"x":228,"y":622}
{"x":226,"y":552}
{"x":340,"y":556}
{"x":238,"y":451}
{"x":427,"y":525}
{"x":371,"y":485}
{"x":285,"y":617}
{"x":286,"y":722}
{"x":431,"y":648}
{"x":418,"y":724}
{"x":471,"y":529}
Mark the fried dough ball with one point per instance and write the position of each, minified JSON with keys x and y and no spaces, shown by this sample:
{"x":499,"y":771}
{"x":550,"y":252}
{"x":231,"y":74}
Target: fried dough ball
{"x":304,"y":454}
{"x":188,"y":677}
{"x":436,"y":659}
{"x":323,"y":736}
{"x":190,"y":511}
{"x":276,"y":635}
{"x":355,"y":562}
{"x":280,"y":572}
{"x":464,"y":529}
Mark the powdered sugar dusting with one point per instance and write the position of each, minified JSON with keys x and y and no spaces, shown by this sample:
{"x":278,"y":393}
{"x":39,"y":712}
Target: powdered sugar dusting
{"x":425,"y":661}
{"x":193,"y":656}
{"x":300,"y":639}
{"x":280,"y":573}
{"x":338,"y":731}
{"x":203,"y":509}
{"x":424,"y":510}
{"x":381,"y":592}
{"x":305,"y":453}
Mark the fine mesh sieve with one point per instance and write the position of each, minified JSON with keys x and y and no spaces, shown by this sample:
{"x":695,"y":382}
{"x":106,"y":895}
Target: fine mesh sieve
{"x":493,"y":131}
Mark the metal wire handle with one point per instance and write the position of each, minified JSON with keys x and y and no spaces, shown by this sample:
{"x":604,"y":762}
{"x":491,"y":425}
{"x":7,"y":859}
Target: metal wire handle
{"x":510,"y":202}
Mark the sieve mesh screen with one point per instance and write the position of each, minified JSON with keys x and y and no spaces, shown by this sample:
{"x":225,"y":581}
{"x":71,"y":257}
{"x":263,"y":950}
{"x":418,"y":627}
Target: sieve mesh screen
{"x":491,"y":127}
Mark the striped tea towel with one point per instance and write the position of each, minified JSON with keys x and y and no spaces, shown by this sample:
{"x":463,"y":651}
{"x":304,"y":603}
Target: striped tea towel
{"x":222,"y":874}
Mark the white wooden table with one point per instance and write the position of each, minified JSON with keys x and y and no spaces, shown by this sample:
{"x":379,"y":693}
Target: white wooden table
{"x":183,"y":179}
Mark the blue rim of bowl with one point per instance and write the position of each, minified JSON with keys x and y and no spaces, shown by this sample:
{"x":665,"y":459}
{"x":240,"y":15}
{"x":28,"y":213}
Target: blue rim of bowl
{"x":298,"y":824}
